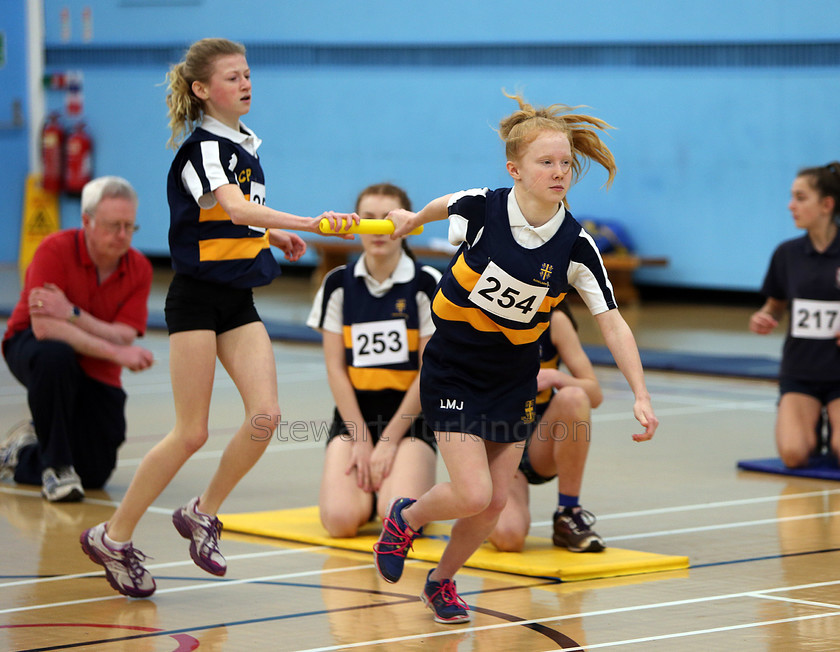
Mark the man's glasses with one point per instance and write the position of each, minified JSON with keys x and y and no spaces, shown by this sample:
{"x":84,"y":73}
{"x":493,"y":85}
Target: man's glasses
{"x":118,"y":227}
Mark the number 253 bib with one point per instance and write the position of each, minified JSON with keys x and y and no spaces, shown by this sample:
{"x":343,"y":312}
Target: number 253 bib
{"x":379,"y":343}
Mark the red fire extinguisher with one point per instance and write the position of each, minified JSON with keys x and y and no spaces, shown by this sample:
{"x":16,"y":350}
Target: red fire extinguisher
{"x":52,"y":154}
{"x":77,"y":166}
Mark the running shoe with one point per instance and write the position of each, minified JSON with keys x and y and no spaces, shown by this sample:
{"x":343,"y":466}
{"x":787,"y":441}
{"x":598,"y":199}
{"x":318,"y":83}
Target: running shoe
{"x":61,"y":485}
{"x":443,"y":599}
{"x":395,"y":541}
{"x":203,"y":531}
{"x":123,"y":566}
{"x":573,"y":530}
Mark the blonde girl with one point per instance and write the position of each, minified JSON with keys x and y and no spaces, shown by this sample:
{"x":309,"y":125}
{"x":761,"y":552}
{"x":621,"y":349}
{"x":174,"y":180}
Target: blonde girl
{"x":220,"y":236}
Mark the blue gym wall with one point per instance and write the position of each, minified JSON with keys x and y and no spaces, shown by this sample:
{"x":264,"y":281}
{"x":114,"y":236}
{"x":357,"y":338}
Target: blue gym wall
{"x":716,"y":104}
{"x":14,"y":146}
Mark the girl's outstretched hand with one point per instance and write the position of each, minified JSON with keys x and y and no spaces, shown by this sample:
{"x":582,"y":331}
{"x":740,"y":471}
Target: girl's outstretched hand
{"x":291,"y":244}
{"x":643,"y":411}
{"x":338,"y":222}
{"x":762,"y":322}
{"x":404,"y":222}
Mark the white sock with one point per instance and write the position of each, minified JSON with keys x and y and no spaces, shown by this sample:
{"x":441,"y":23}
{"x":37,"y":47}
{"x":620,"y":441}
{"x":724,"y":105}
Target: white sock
{"x":116,"y":545}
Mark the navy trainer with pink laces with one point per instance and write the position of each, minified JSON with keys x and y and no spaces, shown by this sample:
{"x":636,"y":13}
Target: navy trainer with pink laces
{"x":396,"y":539}
{"x":203,"y":531}
{"x":443,"y":599}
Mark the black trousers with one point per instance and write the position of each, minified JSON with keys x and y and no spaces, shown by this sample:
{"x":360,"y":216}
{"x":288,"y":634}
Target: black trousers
{"x":78,"y":420}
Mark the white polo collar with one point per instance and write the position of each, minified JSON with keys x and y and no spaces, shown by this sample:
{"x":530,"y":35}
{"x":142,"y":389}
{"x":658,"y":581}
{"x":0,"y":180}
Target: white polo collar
{"x":403,"y":273}
{"x":545,"y":231}
{"x":242,"y":136}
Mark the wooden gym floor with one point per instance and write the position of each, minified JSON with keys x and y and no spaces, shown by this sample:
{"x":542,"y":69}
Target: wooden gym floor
{"x":764,"y":550}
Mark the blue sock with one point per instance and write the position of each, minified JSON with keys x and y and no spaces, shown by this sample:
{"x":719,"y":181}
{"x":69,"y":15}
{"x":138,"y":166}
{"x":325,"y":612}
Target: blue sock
{"x":564,"y":501}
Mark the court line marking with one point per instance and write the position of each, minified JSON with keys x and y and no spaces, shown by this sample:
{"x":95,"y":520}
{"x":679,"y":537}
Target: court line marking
{"x":764,"y":593}
{"x":288,"y":444}
{"x":169,"y":564}
{"x":810,"y":603}
{"x":608,"y":612}
{"x":696,"y":632}
{"x":715,"y":505}
{"x":624,"y":537}
{"x":721,"y":526}
{"x":210,"y":584}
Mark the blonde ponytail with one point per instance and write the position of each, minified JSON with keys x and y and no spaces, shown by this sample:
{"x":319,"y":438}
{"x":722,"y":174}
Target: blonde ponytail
{"x":185,"y":110}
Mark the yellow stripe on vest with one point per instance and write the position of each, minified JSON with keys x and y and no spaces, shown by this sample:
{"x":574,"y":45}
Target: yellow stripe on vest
{"x":477,"y":318}
{"x":231,"y":248}
{"x":467,"y":277}
{"x":374,"y":379}
{"x":445,"y":309}
{"x":216,"y":213}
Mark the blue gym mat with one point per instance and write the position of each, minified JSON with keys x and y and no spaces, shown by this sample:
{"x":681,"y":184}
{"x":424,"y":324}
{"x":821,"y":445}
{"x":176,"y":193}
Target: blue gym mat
{"x":823,"y":467}
{"x":697,"y":363}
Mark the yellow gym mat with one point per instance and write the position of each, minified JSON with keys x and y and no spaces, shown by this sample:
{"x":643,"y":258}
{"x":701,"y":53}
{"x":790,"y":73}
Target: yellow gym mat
{"x":539,"y":559}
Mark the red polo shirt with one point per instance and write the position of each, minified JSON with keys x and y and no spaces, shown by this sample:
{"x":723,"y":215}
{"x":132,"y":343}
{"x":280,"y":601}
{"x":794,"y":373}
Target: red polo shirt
{"x":62,"y":259}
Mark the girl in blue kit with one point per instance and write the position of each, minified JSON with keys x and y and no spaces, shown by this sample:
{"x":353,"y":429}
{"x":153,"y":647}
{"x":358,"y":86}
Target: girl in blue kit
{"x":520,"y":252}
{"x":804,"y":277}
{"x":219,"y":237}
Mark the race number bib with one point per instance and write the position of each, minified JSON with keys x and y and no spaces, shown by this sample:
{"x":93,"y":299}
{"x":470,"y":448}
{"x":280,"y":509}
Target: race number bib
{"x":258,"y":197}
{"x":501,"y":294}
{"x":814,"y":320}
{"x":379,"y":343}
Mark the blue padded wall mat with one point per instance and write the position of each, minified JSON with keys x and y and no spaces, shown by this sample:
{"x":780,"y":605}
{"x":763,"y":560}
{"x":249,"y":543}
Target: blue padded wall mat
{"x":823,"y":467}
{"x":699,"y":363}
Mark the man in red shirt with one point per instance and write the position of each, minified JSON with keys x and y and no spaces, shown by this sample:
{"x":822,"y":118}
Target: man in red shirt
{"x":83,"y":303}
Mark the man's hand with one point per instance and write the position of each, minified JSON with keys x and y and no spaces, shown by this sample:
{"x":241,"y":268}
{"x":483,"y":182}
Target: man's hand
{"x":135,"y":358}
{"x":49,"y":301}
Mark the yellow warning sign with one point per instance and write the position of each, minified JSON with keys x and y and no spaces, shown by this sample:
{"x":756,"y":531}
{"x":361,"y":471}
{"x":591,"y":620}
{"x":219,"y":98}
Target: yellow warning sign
{"x":40,"y":218}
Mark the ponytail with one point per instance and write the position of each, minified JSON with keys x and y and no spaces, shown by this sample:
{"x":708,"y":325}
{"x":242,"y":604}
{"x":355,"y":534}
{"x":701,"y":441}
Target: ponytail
{"x":185,"y":110}
{"x":826,"y":180}
{"x":519,"y":130}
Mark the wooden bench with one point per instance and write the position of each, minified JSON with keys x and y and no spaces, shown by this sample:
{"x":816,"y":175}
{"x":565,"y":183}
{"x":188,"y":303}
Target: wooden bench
{"x":620,"y":267}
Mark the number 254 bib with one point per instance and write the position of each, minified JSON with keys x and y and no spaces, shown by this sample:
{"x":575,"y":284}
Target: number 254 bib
{"x":499,"y":293}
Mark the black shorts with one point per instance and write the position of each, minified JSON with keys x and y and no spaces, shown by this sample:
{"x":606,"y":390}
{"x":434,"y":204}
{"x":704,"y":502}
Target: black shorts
{"x":492,"y":399}
{"x":419,"y":429}
{"x":825,"y":391}
{"x":195,"y":305}
{"x":528,"y":471}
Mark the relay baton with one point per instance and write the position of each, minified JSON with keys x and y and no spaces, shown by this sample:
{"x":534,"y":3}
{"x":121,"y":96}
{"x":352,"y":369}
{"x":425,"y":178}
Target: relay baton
{"x":366,"y":225}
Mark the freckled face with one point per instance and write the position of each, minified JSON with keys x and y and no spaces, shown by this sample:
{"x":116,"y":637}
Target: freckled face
{"x":544,"y":169}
